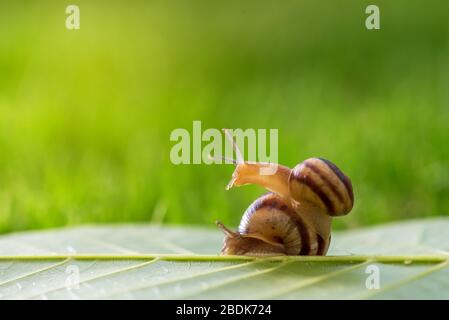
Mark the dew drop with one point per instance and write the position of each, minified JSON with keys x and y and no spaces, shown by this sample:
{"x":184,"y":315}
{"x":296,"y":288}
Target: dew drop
{"x":71,"y":249}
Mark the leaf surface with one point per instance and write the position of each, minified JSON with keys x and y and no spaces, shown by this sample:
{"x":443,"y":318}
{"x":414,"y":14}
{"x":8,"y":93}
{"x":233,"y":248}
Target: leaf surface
{"x":162,"y":262}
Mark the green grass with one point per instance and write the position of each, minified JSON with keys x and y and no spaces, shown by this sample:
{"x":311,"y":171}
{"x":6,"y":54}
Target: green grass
{"x":85,"y":116}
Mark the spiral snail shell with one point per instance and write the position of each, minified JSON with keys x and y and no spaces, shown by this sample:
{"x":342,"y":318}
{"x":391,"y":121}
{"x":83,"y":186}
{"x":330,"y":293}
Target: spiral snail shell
{"x":295,"y":217}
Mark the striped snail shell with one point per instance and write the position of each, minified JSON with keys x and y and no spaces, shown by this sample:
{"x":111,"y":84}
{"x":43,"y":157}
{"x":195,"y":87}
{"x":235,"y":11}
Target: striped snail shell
{"x":295,"y":217}
{"x":271,"y":226}
{"x":319,"y":181}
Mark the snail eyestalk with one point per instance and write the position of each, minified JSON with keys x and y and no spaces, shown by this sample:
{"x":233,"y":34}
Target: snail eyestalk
{"x":231,"y":183}
{"x":238,"y":153}
{"x":228,"y":232}
{"x":233,"y":161}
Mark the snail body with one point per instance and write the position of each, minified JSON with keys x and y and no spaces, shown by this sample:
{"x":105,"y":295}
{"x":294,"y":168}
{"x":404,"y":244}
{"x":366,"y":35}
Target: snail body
{"x":295,"y":217}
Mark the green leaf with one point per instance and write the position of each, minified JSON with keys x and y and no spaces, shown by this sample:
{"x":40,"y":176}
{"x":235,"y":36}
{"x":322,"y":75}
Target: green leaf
{"x":161,"y":262}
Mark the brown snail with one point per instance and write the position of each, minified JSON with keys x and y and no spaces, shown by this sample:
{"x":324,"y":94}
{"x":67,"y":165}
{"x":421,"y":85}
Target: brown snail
{"x":295,"y":217}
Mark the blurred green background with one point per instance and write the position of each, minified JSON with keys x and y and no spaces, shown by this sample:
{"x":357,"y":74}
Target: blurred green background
{"x":85,"y":116}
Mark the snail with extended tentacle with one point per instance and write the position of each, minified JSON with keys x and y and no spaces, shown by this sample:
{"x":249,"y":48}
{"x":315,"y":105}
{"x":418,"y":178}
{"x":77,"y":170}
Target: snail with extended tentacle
{"x":295,"y":217}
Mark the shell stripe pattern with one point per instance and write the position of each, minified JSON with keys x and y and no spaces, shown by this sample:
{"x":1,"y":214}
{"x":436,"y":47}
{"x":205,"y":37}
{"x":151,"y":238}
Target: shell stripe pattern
{"x":311,"y":242}
{"x":319,"y":176}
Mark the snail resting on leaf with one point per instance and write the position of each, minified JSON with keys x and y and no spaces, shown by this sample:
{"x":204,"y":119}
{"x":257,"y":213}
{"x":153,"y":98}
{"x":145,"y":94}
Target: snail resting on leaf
{"x":295,"y":217}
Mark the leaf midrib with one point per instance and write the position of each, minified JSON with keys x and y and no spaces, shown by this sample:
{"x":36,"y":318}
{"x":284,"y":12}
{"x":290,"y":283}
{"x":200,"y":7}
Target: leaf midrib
{"x":406,"y":259}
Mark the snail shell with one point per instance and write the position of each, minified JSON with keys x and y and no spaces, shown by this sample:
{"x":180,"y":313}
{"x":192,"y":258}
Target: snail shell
{"x":271,"y":225}
{"x":319,"y":181}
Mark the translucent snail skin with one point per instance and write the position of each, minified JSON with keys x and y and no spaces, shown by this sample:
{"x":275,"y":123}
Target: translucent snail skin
{"x":295,"y":217}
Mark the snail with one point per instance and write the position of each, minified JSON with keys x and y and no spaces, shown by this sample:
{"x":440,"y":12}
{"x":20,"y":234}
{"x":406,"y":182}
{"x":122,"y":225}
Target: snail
{"x":295,"y":217}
